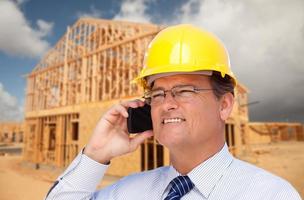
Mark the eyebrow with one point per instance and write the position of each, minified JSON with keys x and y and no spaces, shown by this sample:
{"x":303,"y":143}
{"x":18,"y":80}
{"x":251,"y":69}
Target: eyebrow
{"x":179,"y":85}
{"x":158,"y":88}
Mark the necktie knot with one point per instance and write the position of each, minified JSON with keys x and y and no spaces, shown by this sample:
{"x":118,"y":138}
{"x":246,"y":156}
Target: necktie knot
{"x":180,"y":186}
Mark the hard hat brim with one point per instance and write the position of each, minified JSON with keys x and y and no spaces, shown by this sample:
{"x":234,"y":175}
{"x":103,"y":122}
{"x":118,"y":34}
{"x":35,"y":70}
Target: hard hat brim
{"x":150,"y":79}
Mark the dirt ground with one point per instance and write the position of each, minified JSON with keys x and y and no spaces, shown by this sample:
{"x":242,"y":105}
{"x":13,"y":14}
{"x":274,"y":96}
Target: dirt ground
{"x":20,"y":180}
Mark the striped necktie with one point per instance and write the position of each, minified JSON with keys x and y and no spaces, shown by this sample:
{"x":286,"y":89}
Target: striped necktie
{"x":180,"y":186}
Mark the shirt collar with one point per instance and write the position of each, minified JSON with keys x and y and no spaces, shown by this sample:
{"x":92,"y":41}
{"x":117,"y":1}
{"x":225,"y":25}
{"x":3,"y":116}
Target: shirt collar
{"x":169,"y":176}
{"x":206,"y":175}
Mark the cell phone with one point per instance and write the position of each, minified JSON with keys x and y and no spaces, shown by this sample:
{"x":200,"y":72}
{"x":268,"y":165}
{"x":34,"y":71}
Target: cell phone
{"x":139,"y":119}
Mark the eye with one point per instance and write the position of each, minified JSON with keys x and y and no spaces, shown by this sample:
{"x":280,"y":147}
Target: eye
{"x":157,"y":94}
{"x":185,"y":91}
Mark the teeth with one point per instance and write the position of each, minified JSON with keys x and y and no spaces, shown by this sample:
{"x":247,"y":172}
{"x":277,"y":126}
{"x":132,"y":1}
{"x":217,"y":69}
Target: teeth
{"x":173,"y":120}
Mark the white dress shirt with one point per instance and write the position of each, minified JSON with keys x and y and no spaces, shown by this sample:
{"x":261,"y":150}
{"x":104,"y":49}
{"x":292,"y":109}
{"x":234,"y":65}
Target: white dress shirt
{"x":221,"y":177}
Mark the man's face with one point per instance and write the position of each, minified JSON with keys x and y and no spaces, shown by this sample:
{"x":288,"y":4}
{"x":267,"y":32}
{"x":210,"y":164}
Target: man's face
{"x":190,"y":123}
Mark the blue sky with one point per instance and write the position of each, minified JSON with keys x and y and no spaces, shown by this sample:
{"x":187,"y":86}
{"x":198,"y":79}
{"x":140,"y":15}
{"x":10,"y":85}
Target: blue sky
{"x":265,"y":40}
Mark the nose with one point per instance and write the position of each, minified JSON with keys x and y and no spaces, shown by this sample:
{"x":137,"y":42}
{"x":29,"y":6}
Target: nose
{"x":169,"y":102}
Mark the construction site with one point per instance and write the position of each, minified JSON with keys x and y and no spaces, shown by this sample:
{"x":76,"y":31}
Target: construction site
{"x":11,"y":132}
{"x":87,"y":71}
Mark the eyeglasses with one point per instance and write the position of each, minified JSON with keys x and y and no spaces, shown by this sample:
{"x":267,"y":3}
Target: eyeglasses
{"x":181,"y":93}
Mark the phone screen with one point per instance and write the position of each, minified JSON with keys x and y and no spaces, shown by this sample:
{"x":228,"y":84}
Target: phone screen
{"x":139,"y":119}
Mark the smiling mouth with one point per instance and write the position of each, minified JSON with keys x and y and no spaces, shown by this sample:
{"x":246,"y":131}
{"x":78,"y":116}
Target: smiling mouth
{"x":173,"y":120}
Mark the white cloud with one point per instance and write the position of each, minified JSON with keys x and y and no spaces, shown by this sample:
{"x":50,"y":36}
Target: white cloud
{"x":94,"y":13}
{"x":133,"y":10}
{"x":19,"y":2}
{"x":266,"y":44}
{"x":45,"y":28}
{"x":10,"y":110}
{"x":17,"y":37}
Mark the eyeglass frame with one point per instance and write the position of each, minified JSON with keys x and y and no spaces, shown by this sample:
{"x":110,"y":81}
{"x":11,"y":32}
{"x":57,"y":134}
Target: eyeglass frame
{"x":196,"y":90}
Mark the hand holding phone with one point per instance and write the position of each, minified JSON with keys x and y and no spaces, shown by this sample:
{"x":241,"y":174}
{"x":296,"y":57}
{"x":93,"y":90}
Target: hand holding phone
{"x":139,"y":119}
{"x":110,"y":138}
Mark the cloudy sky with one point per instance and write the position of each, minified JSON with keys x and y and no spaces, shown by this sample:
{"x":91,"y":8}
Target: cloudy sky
{"x":265,"y":40}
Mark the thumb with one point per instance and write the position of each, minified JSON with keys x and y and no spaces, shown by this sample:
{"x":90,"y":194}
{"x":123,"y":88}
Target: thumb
{"x":139,"y":138}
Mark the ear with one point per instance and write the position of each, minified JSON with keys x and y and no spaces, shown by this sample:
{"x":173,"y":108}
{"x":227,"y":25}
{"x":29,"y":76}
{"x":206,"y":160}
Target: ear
{"x":226,"y":105}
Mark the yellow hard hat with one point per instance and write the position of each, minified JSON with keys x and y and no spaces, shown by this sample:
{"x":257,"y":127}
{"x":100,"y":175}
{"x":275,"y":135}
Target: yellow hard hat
{"x":184,"y":49}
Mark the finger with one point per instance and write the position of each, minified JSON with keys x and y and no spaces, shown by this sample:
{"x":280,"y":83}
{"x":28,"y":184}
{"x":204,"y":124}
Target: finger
{"x":122,"y":122}
{"x":118,"y":109}
{"x":139,"y":139}
{"x":113,"y":115}
{"x":134,"y":103}
{"x":124,"y":125}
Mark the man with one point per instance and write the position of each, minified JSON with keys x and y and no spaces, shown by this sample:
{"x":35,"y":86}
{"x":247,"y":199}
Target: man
{"x":189,"y":85}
